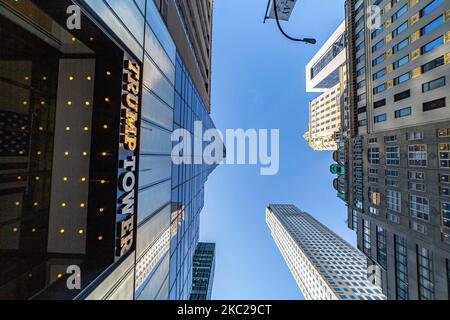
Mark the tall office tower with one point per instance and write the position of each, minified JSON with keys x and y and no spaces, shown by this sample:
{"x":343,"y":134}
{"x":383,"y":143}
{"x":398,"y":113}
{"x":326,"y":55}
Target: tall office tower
{"x":324,"y":265}
{"x":324,"y":120}
{"x":324,"y":74}
{"x":92,"y":92}
{"x":203,"y":271}
{"x":396,"y":173}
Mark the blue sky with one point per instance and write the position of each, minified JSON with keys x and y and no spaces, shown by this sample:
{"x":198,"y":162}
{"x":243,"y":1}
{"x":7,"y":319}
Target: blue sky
{"x":259,"y":82}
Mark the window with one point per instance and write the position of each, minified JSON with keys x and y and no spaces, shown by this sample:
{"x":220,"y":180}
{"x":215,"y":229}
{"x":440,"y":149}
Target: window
{"x":399,"y":13}
{"x":444,"y":191}
{"x":390,"y":139}
{"x":362,"y":110}
{"x":373,"y":171}
{"x":405,"y":112}
{"x":379,"y":104}
{"x":394,"y":200}
{"x":393,"y":218}
{"x":379,"y":89}
{"x":415,"y":135}
{"x":378,"y":60}
{"x":402,"y":95}
{"x":378,"y":45}
{"x":433,"y":64}
{"x":420,"y":228}
{"x":392,"y":183}
{"x":378,"y":74}
{"x":374,"y":211}
{"x":401,"y":268}
{"x":373,"y":155}
{"x":425,"y":273}
{"x":355,"y":220}
{"x":416,"y":175}
{"x":401,"y":45}
{"x":361,"y":84}
{"x":372,"y":140}
{"x":360,"y":46}
{"x":417,"y":155}
{"x":361,"y":71}
{"x":362,"y":123}
{"x":430,"y":46}
{"x":433,"y":25}
{"x":361,"y":97}
{"x":380,"y":118}
{"x":401,"y":62}
{"x":444,"y":155}
{"x":415,"y":186}
{"x":372,"y":179}
{"x":419,"y":207}
{"x":360,"y":58}
{"x":393,"y":155}
{"x":392,"y":173}
{"x":382,"y":247}
{"x":432,"y":85}
{"x":444,"y":178}
{"x":430,"y":7}
{"x":443,"y":133}
{"x":433,"y":105}
{"x":402,"y":79}
{"x":446,"y":214}
{"x":367,"y":238}
{"x":400,"y":29}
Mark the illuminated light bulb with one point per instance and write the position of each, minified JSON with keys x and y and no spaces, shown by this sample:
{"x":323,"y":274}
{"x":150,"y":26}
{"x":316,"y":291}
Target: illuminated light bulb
{"x":83,"y":179}
{"x":86,"y":129}
{"x":33,"y":230}
{"x":105,"y":126}
{"x":107,"y":99}
{"x":17,"y":204}
{"x":85,"y":153}
{"x":74,"y":39}
{"x":108,"y":73}
{"x":69,"y":103}
{"x":67,"y":128}
{"x":63,"y":205}
{"x":62,"y":231}
{"x":42,"y":103}
{"x":19,"y":178}
{"x":88,"y":78}
{"x":59,"y":276}
{"x":44,"y":78}
{"x":41,"y":128}
{"x":30,"y":275}
{"x":66,"y":153}
{"x":102,"y":181}
{"x":101,"y":210}
{"x":81,"y":231}
{"x":37,"y":178}
{"x":100,"y":238}
{"x":87,"y":103}
{"x":27,"y":78}
{"x":35,"y":204}
{"x":15,"y":229}
{"x":65,"y":179}
{"x":104,"y":154}
{"x":91,"y":38}
{"x":25,"y":103}
{"x":82,"y":205}
{"x":39,"y":153}
{"x":71,"y":78}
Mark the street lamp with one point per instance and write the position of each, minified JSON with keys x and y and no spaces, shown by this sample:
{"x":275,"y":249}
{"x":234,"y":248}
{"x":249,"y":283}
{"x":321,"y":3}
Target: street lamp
{"x":285,"y":8}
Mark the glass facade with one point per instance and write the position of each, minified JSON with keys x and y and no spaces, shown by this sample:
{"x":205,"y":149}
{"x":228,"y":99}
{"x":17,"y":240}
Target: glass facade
{"x":64,"y":161}
{"x":203,"y":271}
{"x":188,"y":182}
{"x":401,"y":267}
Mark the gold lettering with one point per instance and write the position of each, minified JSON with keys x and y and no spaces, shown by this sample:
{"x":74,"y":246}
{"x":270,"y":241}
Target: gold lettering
{"x":134,"y":67}
{"x":131,"y":101}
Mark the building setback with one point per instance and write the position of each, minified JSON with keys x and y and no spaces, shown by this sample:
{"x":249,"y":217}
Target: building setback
{"x":203,"y":271}
{"x":393,"y":162}
{"x":87,"y":185}
{"x":325,"y":266}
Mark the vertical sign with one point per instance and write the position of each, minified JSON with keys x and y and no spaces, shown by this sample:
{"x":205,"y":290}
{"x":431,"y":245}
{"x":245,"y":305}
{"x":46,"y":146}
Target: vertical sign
{"x":127,"y":178}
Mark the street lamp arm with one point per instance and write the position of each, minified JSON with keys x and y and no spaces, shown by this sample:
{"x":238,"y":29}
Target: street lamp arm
{"x":307,"y":40}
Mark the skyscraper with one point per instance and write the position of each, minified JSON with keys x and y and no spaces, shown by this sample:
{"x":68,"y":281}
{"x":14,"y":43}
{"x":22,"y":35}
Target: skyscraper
{"x":324,"y":265}
{"x":395,"y":152}
{"x":203,"y":271}
{"x":88,"y":189}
